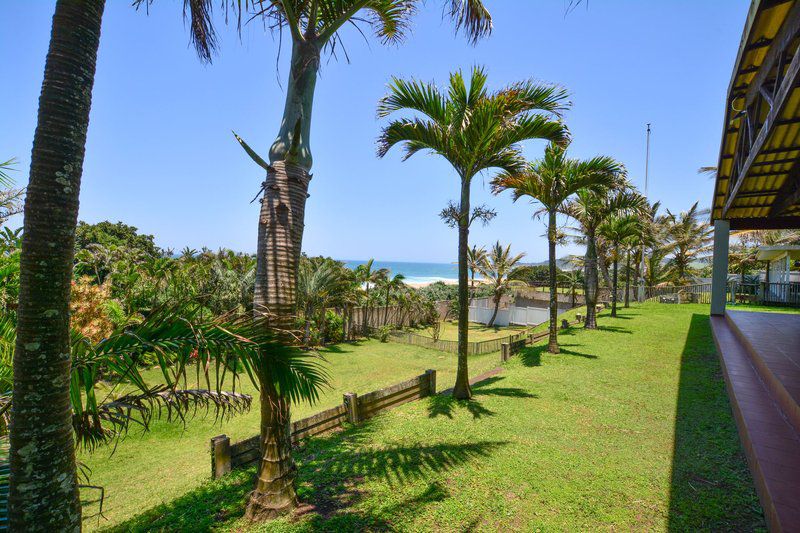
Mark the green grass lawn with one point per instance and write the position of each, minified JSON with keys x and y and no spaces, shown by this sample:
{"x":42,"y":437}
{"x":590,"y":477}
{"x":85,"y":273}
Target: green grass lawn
{"x":762,"y":308}
{"x":629,"y":428}
{"x":170,"y":460}
{"x":477,"y":332}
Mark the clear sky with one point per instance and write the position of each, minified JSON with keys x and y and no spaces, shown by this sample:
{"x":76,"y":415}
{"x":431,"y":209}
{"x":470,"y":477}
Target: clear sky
{"x":160,"y":155}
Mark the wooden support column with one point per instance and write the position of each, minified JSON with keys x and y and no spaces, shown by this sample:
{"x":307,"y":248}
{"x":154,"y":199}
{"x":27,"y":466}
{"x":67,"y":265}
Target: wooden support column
{"x":220,"y":456}
{"x":719,"y":275}
{"x":431,"y":381}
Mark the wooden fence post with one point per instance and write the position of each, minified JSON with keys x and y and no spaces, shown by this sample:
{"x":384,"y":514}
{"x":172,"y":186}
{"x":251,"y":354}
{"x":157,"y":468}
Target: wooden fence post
{"x":431,"y":382}
{"x":564,"y":323}
{"x":505,"y":352}
{"x":220,"y":456}
{"x":351,"y":406}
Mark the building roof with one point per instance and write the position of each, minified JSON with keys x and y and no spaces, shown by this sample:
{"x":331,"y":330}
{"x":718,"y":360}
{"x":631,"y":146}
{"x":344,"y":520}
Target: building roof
{"x":769,"y":253}
{"x":758,"y":178}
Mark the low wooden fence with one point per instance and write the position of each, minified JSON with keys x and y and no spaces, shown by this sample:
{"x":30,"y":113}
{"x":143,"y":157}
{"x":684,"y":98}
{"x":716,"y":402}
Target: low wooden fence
{"x":508,"y":349}
{"x":473,"y":348}
{"x":226,"y":456}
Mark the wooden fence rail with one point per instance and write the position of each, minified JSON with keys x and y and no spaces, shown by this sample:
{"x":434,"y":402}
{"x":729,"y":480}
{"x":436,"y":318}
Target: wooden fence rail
{"x":473,"y":348}
{"x":226,"y":456}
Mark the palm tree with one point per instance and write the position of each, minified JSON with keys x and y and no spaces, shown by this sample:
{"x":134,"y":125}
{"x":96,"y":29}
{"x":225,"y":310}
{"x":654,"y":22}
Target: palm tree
{"x":319,"y":283}
{"x":552,"y":181}
{"x":573,"y":281}
{"x":44,"y":484}
{"x":395,"y":283}
{"x":590,"y":209}
{"x":497,"y":266}
{"x":474,"y":130}
{"x":475,"y":258}
{"x":314,"y":27}
{"x":368,"y":277}
{"x":690,"y":237}
{"x":618,"y":230}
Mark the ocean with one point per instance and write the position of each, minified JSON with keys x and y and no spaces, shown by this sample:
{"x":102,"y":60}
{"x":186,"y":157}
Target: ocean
{"x":414,"y":272}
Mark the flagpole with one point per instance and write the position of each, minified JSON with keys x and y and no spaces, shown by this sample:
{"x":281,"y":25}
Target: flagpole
{"x":646,"y":180}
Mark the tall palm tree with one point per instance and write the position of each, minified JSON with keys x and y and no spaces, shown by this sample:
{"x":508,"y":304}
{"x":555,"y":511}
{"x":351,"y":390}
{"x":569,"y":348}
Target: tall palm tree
{"x":497,"y":266}
{"x":475,"y":258}
{"x":617,"y":230}
{"x":690,"y":236}
{"x":44,"y":485}
{"x":590,"y":209}
{"x":368,"y":278}
{"x":552,"y":181}
{"x":314,"y":28}
{"x":474,"y":130}
{"x":390,"y":284}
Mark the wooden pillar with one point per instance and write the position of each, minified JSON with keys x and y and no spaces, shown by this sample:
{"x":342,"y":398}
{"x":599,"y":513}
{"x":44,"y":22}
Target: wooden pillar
{"x":719,"y":273}
{"x":431,"y":381}
{"x":505,"y":352}
{"x":220,"y":456}
{"x":351,"y":405}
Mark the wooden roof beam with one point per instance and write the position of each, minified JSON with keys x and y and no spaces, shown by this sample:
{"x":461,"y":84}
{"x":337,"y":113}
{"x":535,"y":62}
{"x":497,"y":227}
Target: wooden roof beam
{"x":765,"y":223}
{"x":781,"y":97}
{"x":788,"y":194}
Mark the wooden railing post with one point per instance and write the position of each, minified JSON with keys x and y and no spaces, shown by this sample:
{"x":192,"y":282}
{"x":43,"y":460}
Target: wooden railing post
{"x":505,"y":352}
{"x":220,"y":456}
{"x":351,"y":406}
{"x":431,"y":381}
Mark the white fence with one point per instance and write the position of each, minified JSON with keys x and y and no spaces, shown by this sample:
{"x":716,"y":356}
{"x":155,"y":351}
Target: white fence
{"x":482,"y":309}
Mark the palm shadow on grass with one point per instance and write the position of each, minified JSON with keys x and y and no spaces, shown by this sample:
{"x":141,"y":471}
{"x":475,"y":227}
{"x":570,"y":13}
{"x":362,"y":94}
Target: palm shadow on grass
{"x":614,"y":329}
{"x":331,"y":474}
{"x":532,"y":355}
{"x":445,"y":405}
{"x":711,"y":486}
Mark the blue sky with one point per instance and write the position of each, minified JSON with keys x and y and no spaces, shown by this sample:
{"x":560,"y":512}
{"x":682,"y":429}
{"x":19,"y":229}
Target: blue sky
{"x":160,"y":155}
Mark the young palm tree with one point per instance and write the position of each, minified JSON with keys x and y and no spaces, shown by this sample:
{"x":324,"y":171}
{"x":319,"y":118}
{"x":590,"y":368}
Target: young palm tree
{"x":590,"y":209}
{"x":690,"y":237}
{"x":497,"y":266}
{"x":44,"y":486}
{"x":475,"y":258}
{"x":474,"y":130}
{"x":573,"y":281}
{"x":319,"y":283}
{"x":368,"y":278}
{"x":618,"y":230}
{"x":395,"y":283}
{"x":552,"y":181}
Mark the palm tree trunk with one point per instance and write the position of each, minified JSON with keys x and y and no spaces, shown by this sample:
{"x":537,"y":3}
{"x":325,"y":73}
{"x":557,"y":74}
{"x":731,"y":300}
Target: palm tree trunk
{"x":494,"y":314}
{"x":462,"y":390}
{"x":44,"y":484}
{"x":280,"y":235}
{"x":386,"y":312}
{"x":603,"y":267}
{"x":614,"y":283}
{"x":628,"y":281}
{"x":590,"y":273}
{"x":552,"y":343}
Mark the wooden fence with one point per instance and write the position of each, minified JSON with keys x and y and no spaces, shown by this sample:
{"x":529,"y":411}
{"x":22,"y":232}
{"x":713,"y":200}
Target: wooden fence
{"x":226,"y":456}
{"x":473,"y":348}
{"x":513,"y":347}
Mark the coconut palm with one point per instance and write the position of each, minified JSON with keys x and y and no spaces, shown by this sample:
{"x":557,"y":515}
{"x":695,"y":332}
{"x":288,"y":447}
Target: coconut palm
{"x":590,"y":209}
{"x":497,"y":266}
{"x":320,"y":283}
{"x":573,"y":281}
{"x":44,"y":486}
{"x":690,"y":237}
{"x":475,"y":258}
{"x":618,"y":230}
{"x":474,"y":130}
{"x":552,"y":181}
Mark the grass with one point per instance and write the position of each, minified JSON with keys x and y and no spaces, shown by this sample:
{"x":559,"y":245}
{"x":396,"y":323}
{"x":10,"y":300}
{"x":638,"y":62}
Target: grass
{"x":763,"y":308}
{"x":629,"y":428}
{"x":170,"y":460}
{"x":477,"y":332}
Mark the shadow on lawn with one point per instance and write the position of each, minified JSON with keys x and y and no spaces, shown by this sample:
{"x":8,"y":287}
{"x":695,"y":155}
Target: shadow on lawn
{"x":532,"y":355}
{"x":445,"y":405}
{"x":331,"y":475}
{"x":711,"y":487}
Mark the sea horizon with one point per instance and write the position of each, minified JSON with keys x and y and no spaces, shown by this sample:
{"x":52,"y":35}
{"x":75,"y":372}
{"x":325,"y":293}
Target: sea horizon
{"x":417,"y":272}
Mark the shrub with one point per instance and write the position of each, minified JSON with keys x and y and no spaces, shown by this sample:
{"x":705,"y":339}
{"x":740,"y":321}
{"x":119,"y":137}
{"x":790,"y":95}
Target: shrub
{"x":383,"y":333}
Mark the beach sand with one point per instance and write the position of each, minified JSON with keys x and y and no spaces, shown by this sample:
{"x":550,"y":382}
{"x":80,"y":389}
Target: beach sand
{"x":420,"y":284}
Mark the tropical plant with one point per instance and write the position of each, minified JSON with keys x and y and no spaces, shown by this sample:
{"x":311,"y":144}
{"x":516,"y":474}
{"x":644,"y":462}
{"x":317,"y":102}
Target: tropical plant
{"x":320,"y":284}
{"x":43,"y":492}
{"x":391,"y":284}
{"x":475,"y":258}
{"x":590,"y":209}
{"x":690,"y":237}
{"x":475,"y":131}
{"x":618,"y":230}
{"x":496,"y":267}
{"x":573,"y":281}
{"x":368,"y":278}
{"x":552,"y":181}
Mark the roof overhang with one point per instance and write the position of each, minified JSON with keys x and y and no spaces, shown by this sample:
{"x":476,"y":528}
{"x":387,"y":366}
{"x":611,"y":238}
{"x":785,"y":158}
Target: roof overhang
{"x":758,"y":175}
{"x":769,"y":253}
